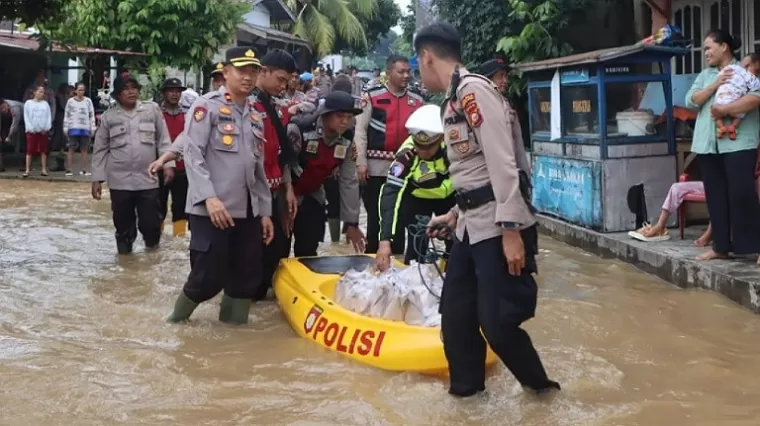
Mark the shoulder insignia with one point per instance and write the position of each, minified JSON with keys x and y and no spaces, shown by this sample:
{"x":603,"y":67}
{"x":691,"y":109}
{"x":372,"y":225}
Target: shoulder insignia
{"x":471,"y":109}
{"x":397,"y":169}
{"x":199,"y":113}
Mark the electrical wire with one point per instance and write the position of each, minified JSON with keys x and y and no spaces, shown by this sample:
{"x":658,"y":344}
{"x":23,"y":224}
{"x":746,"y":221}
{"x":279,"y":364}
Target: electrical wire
{"x":424,"y":247}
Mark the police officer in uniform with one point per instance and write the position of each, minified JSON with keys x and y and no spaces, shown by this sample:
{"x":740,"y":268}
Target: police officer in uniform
{"x":217,"y":77}
{"x":489,"y":283}
{"x":229,"y":201}
{"x":131,"y":135}
{"x":380,"y":132}
{"x":418,"y":183}
{"x":174,"y":181}
{"x":277,"y":69}
{"x":319,"y":139}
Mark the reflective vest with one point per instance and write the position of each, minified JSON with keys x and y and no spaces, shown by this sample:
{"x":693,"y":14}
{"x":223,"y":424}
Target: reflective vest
{"x":317,"y":160}
{"x":429,"y":179}
{"x":387,"y":126}
{"x":272,"y":150}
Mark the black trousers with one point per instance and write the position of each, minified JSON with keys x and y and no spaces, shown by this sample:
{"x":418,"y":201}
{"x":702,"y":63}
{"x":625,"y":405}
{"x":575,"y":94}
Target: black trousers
{"x":371,"y":199}
{"x":332,"y":192}
{"x":411,"y":207}
{"x":224,"y":259}
{"x":479,"y":294}
{"x":178,"y":190}
{"x":309,"y":227}
{"x":732,"y":200}
{"x":277,"y":250}
{"x":133,"y":210}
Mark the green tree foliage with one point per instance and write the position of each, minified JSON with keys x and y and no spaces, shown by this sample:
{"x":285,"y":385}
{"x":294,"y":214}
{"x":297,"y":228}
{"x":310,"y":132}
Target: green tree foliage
{"x":322,"y":22}
{"x":179,"y":33}
{"x":409,"y":23}
{"x":375,"y":27}
{"x":31,"y":12}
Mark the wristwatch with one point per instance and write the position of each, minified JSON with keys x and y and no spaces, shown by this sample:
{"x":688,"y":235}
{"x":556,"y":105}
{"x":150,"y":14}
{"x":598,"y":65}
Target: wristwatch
{"x":510,"y":225}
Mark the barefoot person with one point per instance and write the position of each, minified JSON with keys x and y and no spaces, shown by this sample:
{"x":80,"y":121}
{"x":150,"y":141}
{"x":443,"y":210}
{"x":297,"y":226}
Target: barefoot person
{"x":727,"y":166}
{"x":674,"y":199}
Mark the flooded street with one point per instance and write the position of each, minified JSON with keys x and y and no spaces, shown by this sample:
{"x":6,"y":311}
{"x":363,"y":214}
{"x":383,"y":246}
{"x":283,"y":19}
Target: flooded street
{"x":83,"y":342}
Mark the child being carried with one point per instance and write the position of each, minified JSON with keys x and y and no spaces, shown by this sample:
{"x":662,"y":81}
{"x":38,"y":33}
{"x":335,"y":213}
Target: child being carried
{"x":742,"y":81}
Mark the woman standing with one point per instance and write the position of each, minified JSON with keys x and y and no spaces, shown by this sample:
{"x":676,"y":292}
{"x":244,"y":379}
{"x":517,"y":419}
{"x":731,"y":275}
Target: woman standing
{"x":727,"y":166}
{"x":79,"y":127}
{"x":38,"y":121}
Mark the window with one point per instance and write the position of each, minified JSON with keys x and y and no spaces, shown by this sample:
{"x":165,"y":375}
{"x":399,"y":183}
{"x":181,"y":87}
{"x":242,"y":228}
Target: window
{"x":697,"y":17}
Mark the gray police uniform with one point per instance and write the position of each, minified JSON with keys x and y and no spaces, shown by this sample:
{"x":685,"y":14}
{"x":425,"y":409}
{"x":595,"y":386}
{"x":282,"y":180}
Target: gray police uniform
{"x":126,"y":142}
{"x":479,"y":293}
{"x":224,"y":159}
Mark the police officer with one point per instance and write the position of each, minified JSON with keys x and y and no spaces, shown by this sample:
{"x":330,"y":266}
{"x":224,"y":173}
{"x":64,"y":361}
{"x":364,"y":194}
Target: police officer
{"x":380,"y":132}
{"x":418,"y":182}
{"x":489,"y":284}
{"x":322,"y":148}
{"x":131,"y":135}
{"x":277,"y":68}
{"x":229,"y":201}
{"x":217,"y":77}
{"x":175,"y":181}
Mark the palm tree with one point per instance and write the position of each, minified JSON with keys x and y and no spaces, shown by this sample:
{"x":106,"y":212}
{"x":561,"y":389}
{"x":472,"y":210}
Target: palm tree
{"x":319,"y":21}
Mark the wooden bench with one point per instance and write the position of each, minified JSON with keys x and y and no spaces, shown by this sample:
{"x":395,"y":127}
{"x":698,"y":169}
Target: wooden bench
{"x":689,"y":198}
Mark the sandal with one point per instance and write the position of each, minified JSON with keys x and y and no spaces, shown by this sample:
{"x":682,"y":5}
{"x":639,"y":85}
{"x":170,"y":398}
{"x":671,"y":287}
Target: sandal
{"x":25,"y":174}
{"x":639,"y":234}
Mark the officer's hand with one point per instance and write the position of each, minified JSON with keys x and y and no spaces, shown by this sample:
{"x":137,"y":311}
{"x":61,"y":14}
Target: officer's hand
{"x":362,"y":174}
{"x":168,"y":176}
{"x":514,"y":251}
{"x":154,"y":168}
{"x":355,"y":236}
{"x":293,"y":110}
{"x":383,"y":256}
{"x":290,"y":198}
{"x":267,"y":230}
{"x":441,"y":226}
{"x":218,"y":214}
{"x":97,"y":190}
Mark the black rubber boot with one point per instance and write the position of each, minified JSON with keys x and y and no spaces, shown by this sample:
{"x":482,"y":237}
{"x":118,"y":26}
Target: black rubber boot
{"x":234,"y":311}
{"x":124,"y":247}
{"x":183,"y":308}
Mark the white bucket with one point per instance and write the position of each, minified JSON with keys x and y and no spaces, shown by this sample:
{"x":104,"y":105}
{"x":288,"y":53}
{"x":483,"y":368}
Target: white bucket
{"x":635,"y":123}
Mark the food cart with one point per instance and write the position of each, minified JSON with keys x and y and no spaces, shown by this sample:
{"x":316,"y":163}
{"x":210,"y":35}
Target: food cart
{"x":601,"y":123}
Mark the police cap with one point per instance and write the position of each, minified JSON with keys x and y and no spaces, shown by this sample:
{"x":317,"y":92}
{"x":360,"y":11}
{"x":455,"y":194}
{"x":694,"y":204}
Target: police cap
{"x":241,"y":57}
{"x":173,"y":83}
{"x":489,"y":68}
{"x":218,"y":68}
{"x":439,"y":32}
{"x":279,"y":59}
{"x":340,"y":102}
{"x":425,"y":125}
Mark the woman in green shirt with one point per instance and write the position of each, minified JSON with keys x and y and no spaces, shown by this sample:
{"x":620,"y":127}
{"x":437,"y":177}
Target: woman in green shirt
{"x":727,"y":166}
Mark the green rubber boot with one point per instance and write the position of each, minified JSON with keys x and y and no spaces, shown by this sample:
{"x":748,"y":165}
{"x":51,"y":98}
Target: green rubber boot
{"x":334,"y":225}
{"x":234,"y":311}
{"x":183,"y":308}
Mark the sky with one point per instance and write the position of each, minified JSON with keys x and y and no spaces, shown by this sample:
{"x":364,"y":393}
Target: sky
{"x":402,"y":4}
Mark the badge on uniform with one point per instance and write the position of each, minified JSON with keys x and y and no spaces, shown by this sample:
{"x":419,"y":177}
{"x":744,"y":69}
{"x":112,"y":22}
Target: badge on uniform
{"x":255,"y":117}
{"x":225,"y":111}
{"x":312,"y":147}
{"x":462,"y":147}
{"x":410,"y":101}
{"x":453,"y":134}
{"x":340,"y":152}
{"x":228,"y":128}
{"x":397,"y":169}
{"x":472,"y":110}
{"x":199,"y":113}
{"x":227,"y":140}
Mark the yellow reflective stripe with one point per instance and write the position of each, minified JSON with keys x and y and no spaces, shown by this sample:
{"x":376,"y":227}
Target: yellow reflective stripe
{"x":443,"y":191}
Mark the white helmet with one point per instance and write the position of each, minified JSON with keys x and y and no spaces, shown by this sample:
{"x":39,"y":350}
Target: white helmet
{"x":425,"y":120}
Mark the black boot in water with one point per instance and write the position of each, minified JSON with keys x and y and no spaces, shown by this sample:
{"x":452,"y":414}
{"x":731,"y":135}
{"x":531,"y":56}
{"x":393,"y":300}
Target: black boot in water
{"x":183,"y":308}
{"x":234,"y":311}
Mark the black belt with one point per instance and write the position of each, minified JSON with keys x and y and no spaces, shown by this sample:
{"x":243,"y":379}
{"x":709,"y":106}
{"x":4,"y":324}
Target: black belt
{"x":468,"y":200}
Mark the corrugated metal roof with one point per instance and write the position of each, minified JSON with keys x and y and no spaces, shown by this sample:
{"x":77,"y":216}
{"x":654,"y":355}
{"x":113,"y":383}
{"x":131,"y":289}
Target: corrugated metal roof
{"x":596,"y":56}
{"x":23,"y":42}
{"x":272,"y":34}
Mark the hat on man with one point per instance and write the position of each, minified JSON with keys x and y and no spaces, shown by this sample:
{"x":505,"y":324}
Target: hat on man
{"x":172,"y":83}
{"x":425,"y":125}
{"x":489,"y":68}
{"x":218,"y":68}
{"x":340,"y":102}
{"x":120,"y":82}
{"x":241,"y":57}
{"x":279,"y":59}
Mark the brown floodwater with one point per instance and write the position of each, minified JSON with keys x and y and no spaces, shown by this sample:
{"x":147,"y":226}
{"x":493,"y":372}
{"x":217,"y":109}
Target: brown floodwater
{"x":83,"y":342}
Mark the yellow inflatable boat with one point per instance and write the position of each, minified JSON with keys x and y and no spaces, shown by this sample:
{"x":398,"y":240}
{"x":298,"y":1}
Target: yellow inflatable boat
{"x":304,"y":288}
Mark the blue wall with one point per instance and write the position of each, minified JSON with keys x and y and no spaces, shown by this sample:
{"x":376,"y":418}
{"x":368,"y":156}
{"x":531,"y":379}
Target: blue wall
{"x":569,"y":189}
